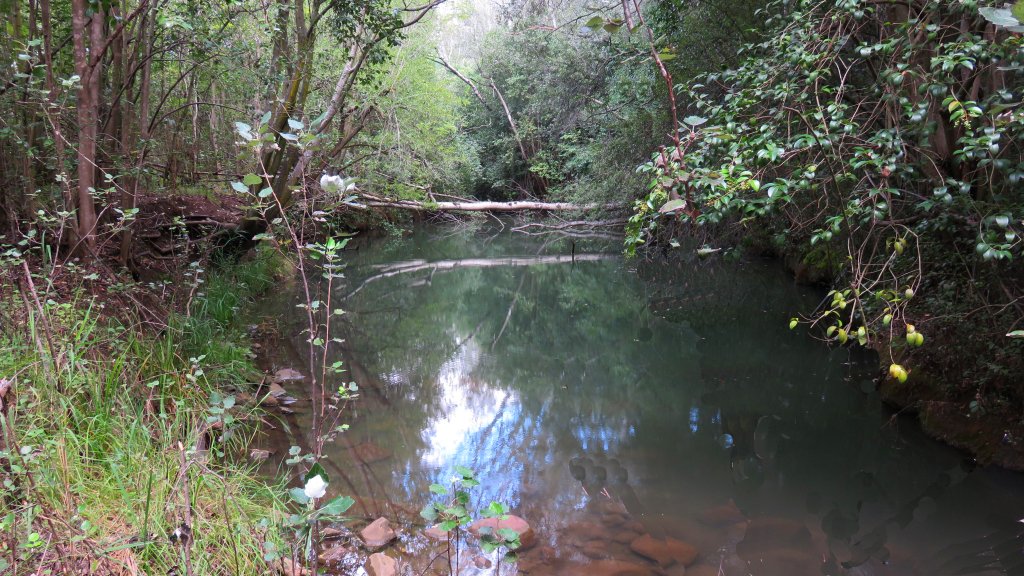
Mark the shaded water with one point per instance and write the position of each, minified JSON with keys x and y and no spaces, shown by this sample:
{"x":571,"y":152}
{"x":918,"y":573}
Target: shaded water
{"x":602,"y":399}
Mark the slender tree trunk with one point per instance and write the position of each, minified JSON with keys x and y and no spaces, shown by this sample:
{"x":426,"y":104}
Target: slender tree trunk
{"x":87,"y":106}
{"x":129,"y":140}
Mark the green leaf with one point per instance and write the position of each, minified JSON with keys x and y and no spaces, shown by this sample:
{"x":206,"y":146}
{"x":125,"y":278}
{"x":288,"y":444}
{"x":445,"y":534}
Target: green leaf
{"x":299,"y":495}
{"x":464,"y":472}
{"x":266,"y":192}
{"x":1016,"y":334}
{"x":251,"y":179}
{"x":316,"y":470}
{"x":429,"y":513}
{"x":239,"y":187}
{"x":694,"y":120}
{"x":244,"y":130}
{"x":672,"y":206}
{"x":337,"y":506}
{"x":508,"y":534}
{"x":594,"y":23}
{"x":295,"y":124}
{"x":438,"y":489}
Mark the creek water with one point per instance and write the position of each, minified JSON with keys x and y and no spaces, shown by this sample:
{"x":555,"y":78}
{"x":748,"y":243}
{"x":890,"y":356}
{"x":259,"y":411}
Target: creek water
{"x":602,"y":399}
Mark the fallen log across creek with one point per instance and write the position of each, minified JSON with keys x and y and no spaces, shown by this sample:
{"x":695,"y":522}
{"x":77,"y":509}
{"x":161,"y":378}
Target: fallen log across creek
{"x":369,"y":201}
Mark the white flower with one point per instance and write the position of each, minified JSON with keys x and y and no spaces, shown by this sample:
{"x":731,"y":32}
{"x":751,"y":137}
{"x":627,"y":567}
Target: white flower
{"x":331,"y":183}
{"x":337,"y":183}
{"x":316,"y":487}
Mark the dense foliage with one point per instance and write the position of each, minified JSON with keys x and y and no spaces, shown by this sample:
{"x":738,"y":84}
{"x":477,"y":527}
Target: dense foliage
{"x":881,"y":144}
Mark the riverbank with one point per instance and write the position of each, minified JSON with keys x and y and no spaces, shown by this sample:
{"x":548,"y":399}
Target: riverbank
{"x":121,"y":427}
{"x":961,"y":387}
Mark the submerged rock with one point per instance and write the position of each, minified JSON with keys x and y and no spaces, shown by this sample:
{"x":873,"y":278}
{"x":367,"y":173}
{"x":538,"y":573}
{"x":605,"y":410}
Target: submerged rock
{"x":723,"y":515}
{"x":334,"y":554}
{"x":286,"y":374}
{"x":435,"y":533}
{"x":378,"y":533}
{"x":286,"y":567}
{"x":380,"y":565}
{"x":702,"y":570}
{"x":368,"y":453}
{"x":665,"y":552}
{"x":608,"y":568}
{"x":527,"y":537}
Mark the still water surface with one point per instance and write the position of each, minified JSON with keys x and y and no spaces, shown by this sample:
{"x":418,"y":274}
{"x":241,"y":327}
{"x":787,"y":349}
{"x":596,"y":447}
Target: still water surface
{"x":602,"y":398}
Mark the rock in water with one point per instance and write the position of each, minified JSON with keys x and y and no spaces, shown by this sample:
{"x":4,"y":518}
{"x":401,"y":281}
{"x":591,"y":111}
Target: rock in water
{"x":435,"y":533}
{"x":288,"y":568}
{"x":286,"y":374}
{"x":527,"y":537}
{"x":378,"y":533}
{"x":380,"y":565}
{"x":368,"y":453}
{"x":334,"y":554}
{"x":665,"y":552}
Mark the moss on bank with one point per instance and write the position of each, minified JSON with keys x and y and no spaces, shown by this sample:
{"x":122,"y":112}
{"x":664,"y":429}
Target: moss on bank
{"x":114,"y":437}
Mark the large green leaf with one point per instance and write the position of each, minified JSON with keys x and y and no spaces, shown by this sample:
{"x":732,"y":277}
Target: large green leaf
{"x":337,"y":506}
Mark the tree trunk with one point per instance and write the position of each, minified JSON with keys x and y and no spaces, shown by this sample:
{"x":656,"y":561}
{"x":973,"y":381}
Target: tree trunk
{"x":87,"y":107}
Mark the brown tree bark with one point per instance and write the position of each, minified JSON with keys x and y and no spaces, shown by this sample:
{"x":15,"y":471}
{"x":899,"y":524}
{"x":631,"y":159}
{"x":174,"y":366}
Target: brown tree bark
{"x":86,"y":31}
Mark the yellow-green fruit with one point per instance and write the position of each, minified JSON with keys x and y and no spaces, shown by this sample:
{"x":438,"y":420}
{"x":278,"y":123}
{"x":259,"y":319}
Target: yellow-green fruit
{"x":842,"y":336}
{"x":887,"y":319}
{"x":918,"y":339}
{"x":902,"y":376}
{"x":911,"y":329}
{"x":908,"y":293}
{"x":898,"y":245}
{"x":894,"y":370}
{"x":862,"y":331}
{"x":792,"y":323}
{"x":831,"y":330}
{"x":910,"y":338}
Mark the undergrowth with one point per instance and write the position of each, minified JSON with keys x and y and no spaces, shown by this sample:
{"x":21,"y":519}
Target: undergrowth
{"x":117,"y":444}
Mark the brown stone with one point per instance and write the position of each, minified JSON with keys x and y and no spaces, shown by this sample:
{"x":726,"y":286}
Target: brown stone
{"x":286,"y":374}
{"x":334,"y":554}
{"x":288,"y":568}
{"x":481,"y":562}
{"x":613,"y":520}
{"x":702,"y":570}
{"x":527,"y":537}
{"x":378,"y":533}
{"x":587,"y":531}
{"x":595,"y":550}
{"x":769,"y":533}
{"x":682,"y":552}
{"x":368,"y":453}
{"x":624,"y":536}
{"x":435,"y":533}
{"x":724,"y":515}
{"x":664,"y":552}
{"x":607,"y":568}
{"x":635,"y":526}
{"x":611,"y":507}
{"x":380,"y":565}
{"x":332,"y":533}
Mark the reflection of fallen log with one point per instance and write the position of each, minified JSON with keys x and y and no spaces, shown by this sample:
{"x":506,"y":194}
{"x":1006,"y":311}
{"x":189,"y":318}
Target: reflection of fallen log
{"x":407,"y":266}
